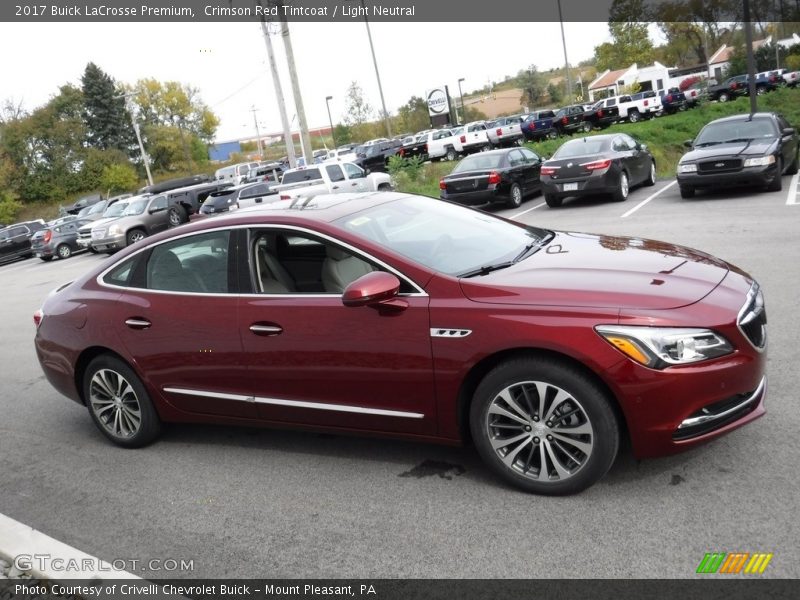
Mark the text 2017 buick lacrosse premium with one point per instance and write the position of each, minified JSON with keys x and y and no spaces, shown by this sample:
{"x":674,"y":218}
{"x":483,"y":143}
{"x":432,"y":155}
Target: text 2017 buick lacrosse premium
{"x":397,"y":315}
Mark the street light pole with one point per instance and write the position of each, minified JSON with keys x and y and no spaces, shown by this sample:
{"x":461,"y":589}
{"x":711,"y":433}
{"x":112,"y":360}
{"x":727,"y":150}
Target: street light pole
{"x":145,"y":159}
{"x":566,"y":60}
{"x":330,"y":120}
{"x":463,"y":110}
{"x":377,"y":73}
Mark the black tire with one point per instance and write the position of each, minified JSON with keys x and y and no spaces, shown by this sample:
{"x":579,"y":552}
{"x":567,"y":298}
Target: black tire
{"x":552,"y":134}
{"x":103,"y":384}
{"x":515,"y":196}
{"x":623,"y":188}
{"x":63,"y":251}
{"x":792,"y":170}
{"x":177,"y":215}
{"x":385,"y":187}
{"x":586,"y":127}
{"x":553,"y":201}
{"x":569,"y":392}
{"x":135,"y":235}
{"x":46,"y":258}
{"x":723,"y":97}
{"x":651,"y":176}
{"x":776,"y":185}
{"x":451,"y":154}
{"x":634,"y":116}
{"x":687,"y":192}
{"x":761,"y":90}
{"x":93,"y":250}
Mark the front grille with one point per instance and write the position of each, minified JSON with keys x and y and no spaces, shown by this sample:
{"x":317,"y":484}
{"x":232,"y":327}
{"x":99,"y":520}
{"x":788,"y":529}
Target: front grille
{"x":85,"y":235}
{"x":720,"y":166}
{"x":752,"y":318}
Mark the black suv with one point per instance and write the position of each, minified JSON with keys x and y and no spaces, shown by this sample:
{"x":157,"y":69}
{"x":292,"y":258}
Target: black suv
{"x":375,"y":157}
{"x":15,"y":240}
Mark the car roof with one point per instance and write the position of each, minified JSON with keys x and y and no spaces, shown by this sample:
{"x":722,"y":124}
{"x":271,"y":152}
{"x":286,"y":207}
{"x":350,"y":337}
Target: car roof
{"x":744,"y":117}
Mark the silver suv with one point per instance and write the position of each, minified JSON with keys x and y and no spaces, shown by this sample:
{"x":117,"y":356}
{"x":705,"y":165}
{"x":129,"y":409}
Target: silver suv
{"x":142,"y":217}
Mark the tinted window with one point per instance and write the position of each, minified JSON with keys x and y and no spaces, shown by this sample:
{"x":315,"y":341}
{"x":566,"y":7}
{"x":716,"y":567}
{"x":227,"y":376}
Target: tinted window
{"x":301,"y":175}
{"x":159,"y":202}
{"x":198,"y":263}
{"x":335,"y":172}
{"x":479,"y":161}
{"x":516,"y":158}
{"x":121,"y":274}
{"x":256,"y":190}
{"x":135,"y":208}
{"x":353,"y":171}
{"x":582,"y":147}
{"x":740,"y":129}
{"x":529,"y":156}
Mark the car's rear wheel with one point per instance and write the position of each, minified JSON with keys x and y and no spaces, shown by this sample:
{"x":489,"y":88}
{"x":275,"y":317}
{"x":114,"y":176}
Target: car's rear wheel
{"x":177,"y":215}
{"x":776,"y":185}
{"x":451,"y":154}
{"x":687,"y":191}
{"x":93,"y":250}
{"x":651,"y":176}
{"x":515,"y":196}
{"x":552,"y":134}
{"x":544,"y":426}
{"x":634,"y":116}
{"x":134,"y":236}
{"x":794,"y":166}
{"x":119,"y":403}
{"x":623,"y":188}
{"x":64,"y":251}
{"x":723,"y":97}
{"x":553,"y":201}
{"x":586,"y":127}
{"x":761,"y":90}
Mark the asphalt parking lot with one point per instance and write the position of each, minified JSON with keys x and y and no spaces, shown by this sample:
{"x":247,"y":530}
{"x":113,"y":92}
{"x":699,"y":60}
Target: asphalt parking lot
{"x":267,"y":503}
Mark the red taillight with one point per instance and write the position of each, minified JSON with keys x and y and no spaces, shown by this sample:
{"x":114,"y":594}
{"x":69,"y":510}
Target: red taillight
{"x":600,"y":113}
{"x":733,"y":85}
{"x":597,"y":165}
{"x":494,"y":177}
{"x":564,"y":120}
{"x":646,"y":102}
{"x":38,"y":316}
{"x":463,"y":139}
{"x":669,"y":98}
{"x":48,"y":235}
{"x":499,"y":131}
{"x":402,"y":152}
{"x":424,"y":148}
{"x":442,"y":184}
{"x":531,"y":125}
{"x":547,"y":170}
{"x":285,"y":197}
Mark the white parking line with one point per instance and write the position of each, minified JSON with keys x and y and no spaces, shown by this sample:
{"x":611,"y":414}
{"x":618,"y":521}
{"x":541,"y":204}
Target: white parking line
{"x":791,"y":197}
{"x":519,"y":214}
{"x":650,"y":197}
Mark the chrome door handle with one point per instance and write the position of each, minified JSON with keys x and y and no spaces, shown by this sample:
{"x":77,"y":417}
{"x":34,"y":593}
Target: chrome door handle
{"x":266,"y":329}
{"x":136,"y":323}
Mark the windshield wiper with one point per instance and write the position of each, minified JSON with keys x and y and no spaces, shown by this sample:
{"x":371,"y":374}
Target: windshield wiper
{"x":735,"y":140}
{"x":485,"y":269}
{"x":526,"y":251}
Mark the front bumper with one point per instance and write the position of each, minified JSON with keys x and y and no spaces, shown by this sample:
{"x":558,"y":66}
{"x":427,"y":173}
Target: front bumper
{"x":109,"y":243}
{"x":746,"y":176}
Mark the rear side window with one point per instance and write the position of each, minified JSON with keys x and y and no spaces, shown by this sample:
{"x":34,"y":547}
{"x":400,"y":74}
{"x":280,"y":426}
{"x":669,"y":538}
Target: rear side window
{"x":197,"y":264}
{"x":121,"y":274}
{"x":301,"y":175}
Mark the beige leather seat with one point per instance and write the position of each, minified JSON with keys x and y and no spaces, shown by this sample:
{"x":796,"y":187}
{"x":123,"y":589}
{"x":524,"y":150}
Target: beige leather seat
{"x":274,"y":277}
{"x":341,"y":268}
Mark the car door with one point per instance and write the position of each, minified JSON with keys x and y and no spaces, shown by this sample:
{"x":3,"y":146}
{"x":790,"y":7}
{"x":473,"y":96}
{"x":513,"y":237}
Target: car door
{"x":177,"y":318}
{"x":312,"y":360}
{"x":533,"y":166}
{"x":788,"y":142}
{"x":156,"y":215}
{"x":356,"y":180}
{"x":639,"y":162}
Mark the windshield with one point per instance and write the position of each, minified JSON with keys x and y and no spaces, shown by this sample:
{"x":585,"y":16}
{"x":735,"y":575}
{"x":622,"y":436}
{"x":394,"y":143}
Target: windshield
{"x":479,"y":162}
{"x":582,"y":147}
{"x":135,"y":208}
{"x":301,"y":175}
{"x":740,"y":131}
{"x":444,"y":237}
{"x":97,"y":208}
{"x":115,"y":209}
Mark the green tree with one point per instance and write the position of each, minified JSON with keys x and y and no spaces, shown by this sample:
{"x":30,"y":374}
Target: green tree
{"x":358,"y":112}
{"x":342,"y":134}
{"x":532,"y":84}
{"x":555,"y":93}
{"x":119,"y":178}
{"x":630,"y":42}
{"x":108,"y":123}
{"x":413,"y":115}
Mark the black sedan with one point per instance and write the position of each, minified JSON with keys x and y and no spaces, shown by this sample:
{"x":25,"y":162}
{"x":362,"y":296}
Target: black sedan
{"x":506,"y":176}
{"x":741,"y":150}
{"x":600,"y":164}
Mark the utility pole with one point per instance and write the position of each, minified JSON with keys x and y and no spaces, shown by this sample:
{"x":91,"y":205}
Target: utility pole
{"x":276,"y":82}
{"x":305,"y":139}
{"x":751,"y":62}
{"x":377,"y":74}
{"x":461,"y":95}
{"x":258,"y":134}
{"x":145,"y":159}
{"x":566,"y":60}
{"x":328,"y":105}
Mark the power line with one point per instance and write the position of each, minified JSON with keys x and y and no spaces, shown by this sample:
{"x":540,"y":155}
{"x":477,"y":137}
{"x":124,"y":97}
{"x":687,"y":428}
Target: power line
{"x":232,"y":94}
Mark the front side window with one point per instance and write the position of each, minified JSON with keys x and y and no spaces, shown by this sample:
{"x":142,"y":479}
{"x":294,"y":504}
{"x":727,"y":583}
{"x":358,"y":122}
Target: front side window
{"x":197,"y":263}
{"x":335,"y":172}
{"x":353,"y":171}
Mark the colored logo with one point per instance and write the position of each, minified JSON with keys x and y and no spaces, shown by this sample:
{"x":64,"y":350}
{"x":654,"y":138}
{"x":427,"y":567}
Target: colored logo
{"x":734,"y":562}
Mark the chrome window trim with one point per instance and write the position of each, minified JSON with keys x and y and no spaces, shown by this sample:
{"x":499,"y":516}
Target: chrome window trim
{"x":420,"y":293}
{"x":296,"y":403}
{"x":751,"y":294}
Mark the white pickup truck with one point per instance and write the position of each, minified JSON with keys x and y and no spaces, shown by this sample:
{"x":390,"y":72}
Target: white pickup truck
{"x":635,"y":108}
{"x":330,"y":178}
{"x":505,"y":131}
{"x":473,"y":138}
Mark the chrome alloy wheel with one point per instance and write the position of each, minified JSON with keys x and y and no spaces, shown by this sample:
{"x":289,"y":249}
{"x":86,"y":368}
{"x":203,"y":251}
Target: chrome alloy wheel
{"x":540,"y":431}
{"x":114,"y":403}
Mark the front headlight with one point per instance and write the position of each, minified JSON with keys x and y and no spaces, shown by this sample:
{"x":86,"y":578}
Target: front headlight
{"x":687,"y":168}
{"x":761,"y":161}
{"x":115,"y":230}
{"x":660,"y":347}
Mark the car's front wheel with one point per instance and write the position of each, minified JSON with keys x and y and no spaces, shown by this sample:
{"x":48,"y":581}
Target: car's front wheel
{"x":777,"y":184}
{"x":119,"y":403}
{"x":134,"y":236}
{"x":687,"y":192}
{"x":544,"y":426}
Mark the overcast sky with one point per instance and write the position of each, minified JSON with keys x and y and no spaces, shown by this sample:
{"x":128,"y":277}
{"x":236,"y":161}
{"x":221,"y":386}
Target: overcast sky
{"x":227,"y":61}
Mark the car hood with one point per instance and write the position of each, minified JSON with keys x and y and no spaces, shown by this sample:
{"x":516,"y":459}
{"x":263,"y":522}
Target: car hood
{"x":585,"y":270}
{"x":98,"y":223}
{"x":754,"y":148}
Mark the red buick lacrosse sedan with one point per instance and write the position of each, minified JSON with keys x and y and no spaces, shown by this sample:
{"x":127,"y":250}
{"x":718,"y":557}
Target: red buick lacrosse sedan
{"x":397,"y":315}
